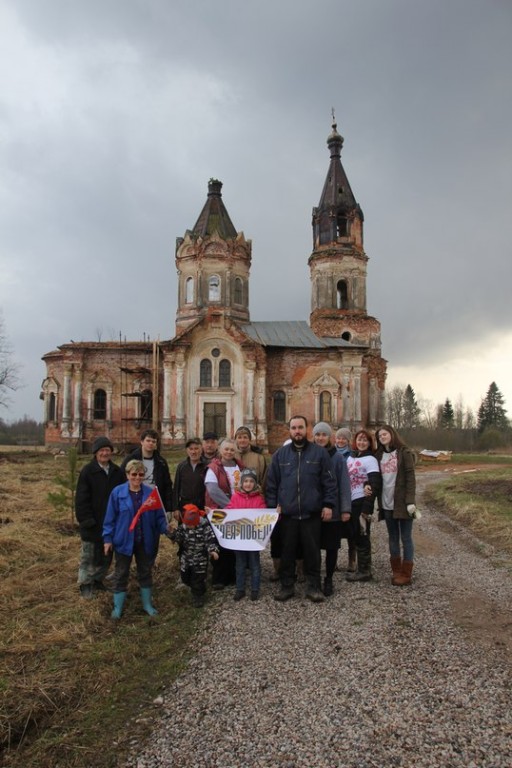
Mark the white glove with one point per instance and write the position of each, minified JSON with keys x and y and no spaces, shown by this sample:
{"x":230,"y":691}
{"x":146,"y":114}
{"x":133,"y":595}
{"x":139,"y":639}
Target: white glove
{"x":413,"y":512}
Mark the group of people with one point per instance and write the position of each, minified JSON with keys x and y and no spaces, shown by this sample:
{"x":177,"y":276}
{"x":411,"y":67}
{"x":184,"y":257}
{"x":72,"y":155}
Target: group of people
{"x":324,"y":489}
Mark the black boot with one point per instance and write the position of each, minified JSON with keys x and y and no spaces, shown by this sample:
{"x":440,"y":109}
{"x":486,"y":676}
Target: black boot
{"x":328,"y":588}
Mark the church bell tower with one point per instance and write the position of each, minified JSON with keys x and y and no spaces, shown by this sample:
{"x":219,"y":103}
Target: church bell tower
{"x":213,"y":261}
{"x":338,"y":262}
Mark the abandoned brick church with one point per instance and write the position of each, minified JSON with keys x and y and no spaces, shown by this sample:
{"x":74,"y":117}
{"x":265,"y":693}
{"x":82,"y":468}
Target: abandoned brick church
{"x":221,"y":370}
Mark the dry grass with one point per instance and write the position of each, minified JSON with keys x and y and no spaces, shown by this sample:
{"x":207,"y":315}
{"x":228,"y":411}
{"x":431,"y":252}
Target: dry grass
{"x":481,"y":500}
{"x":70,"y":679}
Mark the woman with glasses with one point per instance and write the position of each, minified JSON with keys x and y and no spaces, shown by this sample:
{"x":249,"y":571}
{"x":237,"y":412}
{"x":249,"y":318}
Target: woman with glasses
{"x":141,"y":542}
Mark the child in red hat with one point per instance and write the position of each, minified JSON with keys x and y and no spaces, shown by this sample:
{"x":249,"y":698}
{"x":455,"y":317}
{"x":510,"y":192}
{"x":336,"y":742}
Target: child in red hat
{"x":197,"y":542}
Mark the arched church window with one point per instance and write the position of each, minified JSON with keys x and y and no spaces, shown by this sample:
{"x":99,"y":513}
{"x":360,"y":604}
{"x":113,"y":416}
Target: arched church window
{"x":341,"y":295}
{"x":239,"y":291}
{"x":214,"y":288}
{"x":325,"y":407}
{"x":189,"y":290}
{"x":205,"y":373}
{"x":146,"y":405}
{"x":224,"y":373}
{"x":100,"y":404}
{"x":52,"y":407}
{"x":279,"y":406}
{"x":341,"y":225}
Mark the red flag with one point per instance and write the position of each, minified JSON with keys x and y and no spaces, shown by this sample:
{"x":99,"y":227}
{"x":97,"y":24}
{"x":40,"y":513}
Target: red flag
{"x":153,"y":501}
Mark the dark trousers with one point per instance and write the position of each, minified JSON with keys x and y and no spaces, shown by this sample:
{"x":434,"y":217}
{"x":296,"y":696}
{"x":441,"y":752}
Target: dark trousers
{"x":195,"y":579}
{"x":122,"y":568}
{"x":361,"y":537}
{"x":223,"y":569}
{"x":303,"y":533}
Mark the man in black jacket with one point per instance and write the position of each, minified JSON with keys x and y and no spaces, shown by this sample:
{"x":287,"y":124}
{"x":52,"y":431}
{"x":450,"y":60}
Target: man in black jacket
{"x":302,"y":484}
{"x":157,"y":469}
{"x":96,"y":481}
{"x":189,"y":478}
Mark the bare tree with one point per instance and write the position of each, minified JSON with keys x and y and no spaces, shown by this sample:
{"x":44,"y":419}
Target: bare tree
{"x":9,"y":370}
{"x":395,"y":406}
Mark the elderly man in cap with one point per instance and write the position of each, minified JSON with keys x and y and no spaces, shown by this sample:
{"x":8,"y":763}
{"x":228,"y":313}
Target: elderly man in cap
{"x":96,"y":481}
{"x":210,"y":446}
{"x":250,"y":457}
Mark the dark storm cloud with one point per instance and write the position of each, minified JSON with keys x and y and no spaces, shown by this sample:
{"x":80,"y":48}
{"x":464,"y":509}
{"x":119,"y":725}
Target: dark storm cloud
{"x":118,"y":113}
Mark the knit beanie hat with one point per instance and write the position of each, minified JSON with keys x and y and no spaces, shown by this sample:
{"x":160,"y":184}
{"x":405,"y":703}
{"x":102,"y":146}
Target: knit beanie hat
{"x":191,"y":515}
{"x":323,"y":427}
{"x":248,"y":473}
{"x":346,"y":433}
{"x":101,"y":442}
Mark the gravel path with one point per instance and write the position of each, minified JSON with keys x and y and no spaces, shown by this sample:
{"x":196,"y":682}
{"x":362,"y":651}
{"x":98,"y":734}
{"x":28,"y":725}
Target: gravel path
{"x":376,"y":676}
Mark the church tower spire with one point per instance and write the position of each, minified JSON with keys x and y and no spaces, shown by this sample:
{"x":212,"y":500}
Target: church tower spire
{"x":213,"y":262}
{"x":338,"y":262}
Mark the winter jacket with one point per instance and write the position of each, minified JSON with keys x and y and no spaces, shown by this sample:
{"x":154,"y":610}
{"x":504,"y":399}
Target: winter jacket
{"x":241,"y":500}
{"x":195,"y":545}
{"x":405,"y":484}
{"x":93,"y":490}
{"x":301,"y":482}
{"x":189,"y":484}
{"x":161,"y":475}
{"x":344,"y":502}
{"x":120,"y":513}
{"x":218,"y":470}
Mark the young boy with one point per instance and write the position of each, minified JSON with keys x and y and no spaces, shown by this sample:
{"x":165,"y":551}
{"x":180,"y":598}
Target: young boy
{"x":196,"y":541}
{"x":248,"y":496}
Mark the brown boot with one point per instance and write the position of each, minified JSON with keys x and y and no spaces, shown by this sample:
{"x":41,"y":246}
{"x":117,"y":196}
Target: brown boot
{"x":396,"y":567}
{"x":406,"y":575}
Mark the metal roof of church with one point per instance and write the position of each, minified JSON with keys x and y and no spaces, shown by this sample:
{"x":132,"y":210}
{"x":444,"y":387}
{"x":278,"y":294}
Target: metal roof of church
{"x":289,"y":333}
{"x":214,"y":216}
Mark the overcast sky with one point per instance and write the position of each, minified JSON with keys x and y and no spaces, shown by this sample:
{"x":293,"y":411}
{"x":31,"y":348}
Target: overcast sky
{"x":115,"y":113}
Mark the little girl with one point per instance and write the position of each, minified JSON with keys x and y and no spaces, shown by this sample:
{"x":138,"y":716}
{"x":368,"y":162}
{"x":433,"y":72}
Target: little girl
{"x":248,"y":496}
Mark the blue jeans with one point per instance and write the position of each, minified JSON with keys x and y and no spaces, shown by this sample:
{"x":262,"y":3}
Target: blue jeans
{"x":249,"y":560}
{"x":399,"y":530}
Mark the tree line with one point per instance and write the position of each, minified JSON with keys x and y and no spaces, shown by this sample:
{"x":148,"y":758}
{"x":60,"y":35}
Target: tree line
{"x":448,"y":425}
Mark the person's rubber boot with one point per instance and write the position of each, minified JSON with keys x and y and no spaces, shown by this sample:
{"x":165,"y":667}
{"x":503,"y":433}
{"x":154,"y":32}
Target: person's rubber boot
{"x":117,"y":611}
{"x":364,"y":566}
{"x":405,"y":577}
{"x":328,"y":588}
{"x":396,"y":567}
{"x":352,"y":558}
{"x":276,"y":562}
{"x":145,"y":596}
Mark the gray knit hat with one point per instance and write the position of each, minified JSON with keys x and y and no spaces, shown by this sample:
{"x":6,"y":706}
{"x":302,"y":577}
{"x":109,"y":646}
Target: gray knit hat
{"x":346,"y":433}
{"x":323,"y":427}
{"x":101,"y":442}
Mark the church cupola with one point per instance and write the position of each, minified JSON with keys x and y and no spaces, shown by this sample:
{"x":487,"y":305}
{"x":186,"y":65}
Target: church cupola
{"x":213,"y":262}
{"x":338,"y":262}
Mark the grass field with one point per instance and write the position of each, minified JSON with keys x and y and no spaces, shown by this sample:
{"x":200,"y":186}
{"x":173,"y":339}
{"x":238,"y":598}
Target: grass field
{"x":77,"y":689}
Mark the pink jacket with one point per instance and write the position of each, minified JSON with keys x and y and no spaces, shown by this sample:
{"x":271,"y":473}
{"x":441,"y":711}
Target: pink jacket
{"x":253,"y":500}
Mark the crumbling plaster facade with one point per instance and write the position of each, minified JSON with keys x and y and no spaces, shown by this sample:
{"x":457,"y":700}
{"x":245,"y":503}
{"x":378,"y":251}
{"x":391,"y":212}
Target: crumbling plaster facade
{"x":221,"y":370}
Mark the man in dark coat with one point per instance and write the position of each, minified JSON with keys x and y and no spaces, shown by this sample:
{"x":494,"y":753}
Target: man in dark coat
{"x":95,"y":483}
{"x":157,"y":469}
{"x":301,"y":482}
{"x":189,"y":478}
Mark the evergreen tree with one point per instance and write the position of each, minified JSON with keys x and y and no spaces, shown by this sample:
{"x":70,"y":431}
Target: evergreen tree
{"x":491,"y":412}
{"x":447,"y":415}
{"x":411,"y":415}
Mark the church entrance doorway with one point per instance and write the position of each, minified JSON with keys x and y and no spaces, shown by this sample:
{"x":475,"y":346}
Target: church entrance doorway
{"x":214,"y":418}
